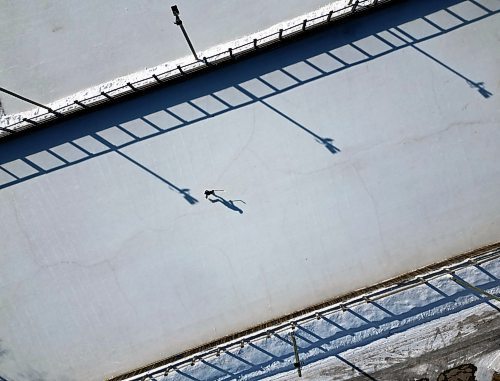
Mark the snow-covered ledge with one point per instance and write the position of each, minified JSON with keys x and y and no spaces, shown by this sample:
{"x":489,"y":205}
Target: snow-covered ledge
{"x":157,"y":75}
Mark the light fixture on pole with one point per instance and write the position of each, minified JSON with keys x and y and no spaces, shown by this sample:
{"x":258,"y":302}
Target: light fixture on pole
{"x":178,"y":21}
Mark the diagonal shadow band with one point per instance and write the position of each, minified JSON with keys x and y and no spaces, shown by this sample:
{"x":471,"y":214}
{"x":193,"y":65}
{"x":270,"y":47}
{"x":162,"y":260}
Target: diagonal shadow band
{"x":184,"y":192}
{"x":479,"y":86}
{"x":164,"y":110}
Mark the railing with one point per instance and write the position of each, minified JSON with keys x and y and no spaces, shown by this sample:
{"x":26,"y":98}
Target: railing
{"x":181,"y":71}
{"x":178,"y":364}
{"x":391,"y":34}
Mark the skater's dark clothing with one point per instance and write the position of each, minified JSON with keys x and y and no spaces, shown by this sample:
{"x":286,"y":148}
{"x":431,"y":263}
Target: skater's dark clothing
{"x":209,"y":193}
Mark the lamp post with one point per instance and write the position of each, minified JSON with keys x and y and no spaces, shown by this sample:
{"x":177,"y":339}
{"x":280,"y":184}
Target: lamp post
{"x":178,"y":21}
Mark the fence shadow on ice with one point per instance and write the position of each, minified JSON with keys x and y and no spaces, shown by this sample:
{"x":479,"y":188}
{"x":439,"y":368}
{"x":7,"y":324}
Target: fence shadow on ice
{"x":253,"y":80}
{"x":333,"y":333}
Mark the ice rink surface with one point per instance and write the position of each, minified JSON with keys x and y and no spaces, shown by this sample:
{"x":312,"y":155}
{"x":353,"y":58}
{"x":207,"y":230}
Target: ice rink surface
{"x":352,"y":156}
{"x":51,"y":49}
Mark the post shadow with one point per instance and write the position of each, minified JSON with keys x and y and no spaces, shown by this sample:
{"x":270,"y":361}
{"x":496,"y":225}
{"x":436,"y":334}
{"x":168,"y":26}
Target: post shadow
{"x":318,"y":338}
{"x":380,"y":307}
{"x":326,"y":142}
{"x":246,"y":362}
{"x":216,"y":367}
{"x":182,"y":191}
{"x":358,"y":369}
{"x":359,"y":316}
{"x":283,"y":339}
{"x":256,"y":347}
{"x":184,"y":374}
{"x":273,"y":359}
{"x":477,"y":294}
{"x":483,"y":270}
{"x":440,"y":292}
{"x":479,"y":86}
{"x":335,"y":324}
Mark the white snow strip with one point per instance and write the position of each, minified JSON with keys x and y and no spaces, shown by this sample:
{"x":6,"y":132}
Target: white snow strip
{"x":397,"y":327}
{"x":411,"y":344}
{"x":119,"y":86}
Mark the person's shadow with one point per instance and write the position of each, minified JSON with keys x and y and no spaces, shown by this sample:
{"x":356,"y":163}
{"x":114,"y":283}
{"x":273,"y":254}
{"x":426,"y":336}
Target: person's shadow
{"x":227,"y":203}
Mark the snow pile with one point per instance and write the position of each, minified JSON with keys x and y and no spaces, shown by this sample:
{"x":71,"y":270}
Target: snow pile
{"x":403,"y":319}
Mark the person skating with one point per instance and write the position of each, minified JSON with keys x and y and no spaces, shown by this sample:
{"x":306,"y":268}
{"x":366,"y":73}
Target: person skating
{"x":212,"y":192}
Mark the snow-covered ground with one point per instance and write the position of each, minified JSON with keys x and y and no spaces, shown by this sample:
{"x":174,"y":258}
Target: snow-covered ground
{"x":53,"y":49}
{"x":368,"y":339}
{"x":349,"y":157}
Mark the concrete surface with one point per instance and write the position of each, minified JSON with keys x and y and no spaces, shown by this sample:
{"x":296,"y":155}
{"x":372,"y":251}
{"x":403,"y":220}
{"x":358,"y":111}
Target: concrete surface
{"x":356,"y":157}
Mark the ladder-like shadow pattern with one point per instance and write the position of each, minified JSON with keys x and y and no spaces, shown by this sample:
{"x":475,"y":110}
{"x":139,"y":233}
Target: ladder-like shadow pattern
{"x":353,"y":42}
{"x":335,"y":333}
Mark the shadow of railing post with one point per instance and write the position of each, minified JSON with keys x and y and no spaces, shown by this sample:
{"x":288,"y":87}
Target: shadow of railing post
{"x":184,"y":192}
{"x":356,"y":368}
{"x":475,"y":290}
{"x":479,"y":86}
